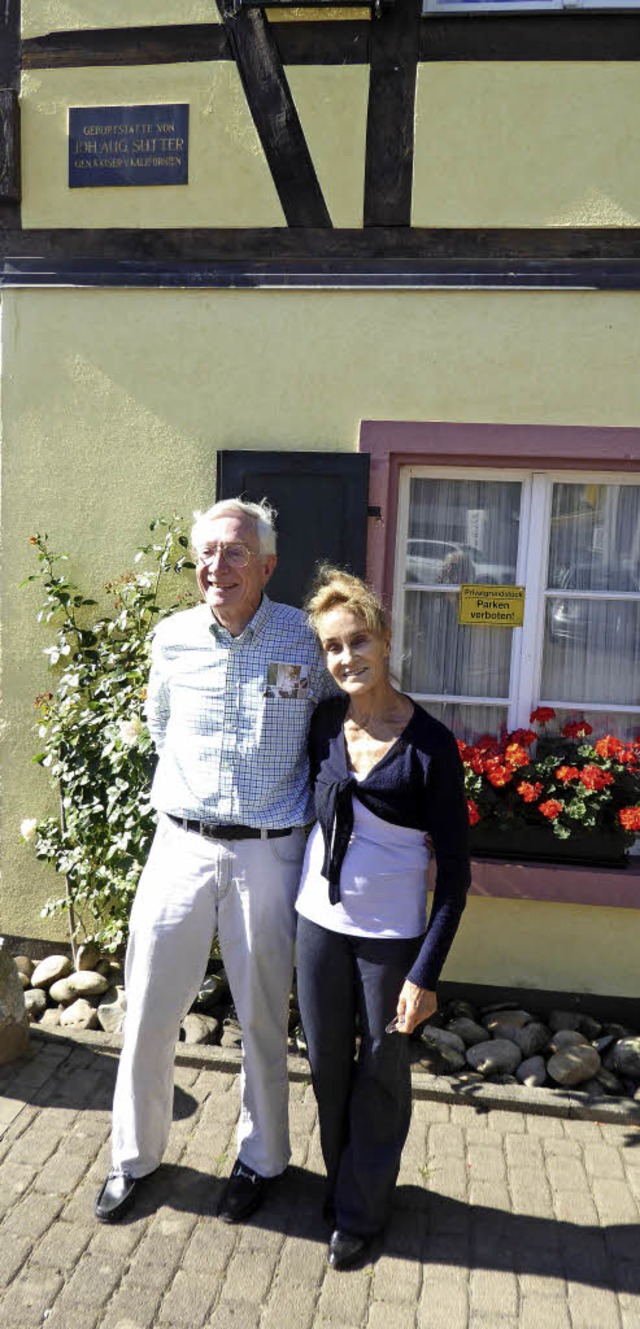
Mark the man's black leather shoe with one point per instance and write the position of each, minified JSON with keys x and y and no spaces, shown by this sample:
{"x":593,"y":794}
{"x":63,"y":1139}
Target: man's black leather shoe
{"x":116,"y":1197}
{"x":344,"y":1248}
{"x":243,"y":1193}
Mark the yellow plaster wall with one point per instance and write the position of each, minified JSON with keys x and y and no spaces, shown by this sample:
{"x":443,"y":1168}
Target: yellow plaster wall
{"x":114,"y":406}
{"x":567,"y":948}
{"x":229,"y":182}
{"x":42,"y":16}
{"x":527,"y":144}
{"x":332,"y":106}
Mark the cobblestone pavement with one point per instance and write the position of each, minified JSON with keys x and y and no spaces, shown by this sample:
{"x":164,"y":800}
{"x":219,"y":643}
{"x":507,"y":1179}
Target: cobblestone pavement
{"x":502,"y":1220}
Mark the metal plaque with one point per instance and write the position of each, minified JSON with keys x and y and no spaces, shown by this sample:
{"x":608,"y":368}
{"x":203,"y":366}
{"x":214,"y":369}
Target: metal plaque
{"x":128,"y":145}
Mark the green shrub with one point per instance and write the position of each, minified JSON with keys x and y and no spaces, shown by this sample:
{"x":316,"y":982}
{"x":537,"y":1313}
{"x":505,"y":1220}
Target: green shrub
{"x":94,"y":743}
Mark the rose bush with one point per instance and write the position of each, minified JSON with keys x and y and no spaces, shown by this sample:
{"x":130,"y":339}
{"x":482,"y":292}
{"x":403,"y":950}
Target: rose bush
{"x":94,"y":742}
{"x":581,"y":786}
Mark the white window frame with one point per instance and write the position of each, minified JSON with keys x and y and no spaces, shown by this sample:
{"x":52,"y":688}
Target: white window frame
{"x":527,"y":642}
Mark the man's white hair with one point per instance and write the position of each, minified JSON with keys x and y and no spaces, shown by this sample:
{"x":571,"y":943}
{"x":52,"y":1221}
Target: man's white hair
{"x":261,"y":513}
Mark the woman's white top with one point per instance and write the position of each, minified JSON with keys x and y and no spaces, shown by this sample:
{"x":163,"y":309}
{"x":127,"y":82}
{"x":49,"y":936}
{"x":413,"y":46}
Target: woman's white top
{"x":383,"y":881}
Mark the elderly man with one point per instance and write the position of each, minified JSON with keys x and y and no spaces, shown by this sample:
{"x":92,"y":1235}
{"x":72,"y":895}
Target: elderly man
{"x":231,"y":791}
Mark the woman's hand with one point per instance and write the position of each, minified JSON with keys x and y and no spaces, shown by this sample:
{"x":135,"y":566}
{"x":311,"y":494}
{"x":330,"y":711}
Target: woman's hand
{"x":414,"y":1005}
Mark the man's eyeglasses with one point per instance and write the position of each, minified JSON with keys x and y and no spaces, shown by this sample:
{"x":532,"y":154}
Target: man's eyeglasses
{"x":234,"y":554}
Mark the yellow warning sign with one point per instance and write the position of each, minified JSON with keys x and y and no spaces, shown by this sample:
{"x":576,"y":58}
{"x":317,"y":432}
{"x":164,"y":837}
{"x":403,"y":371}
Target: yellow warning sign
{"x":491,"y":606}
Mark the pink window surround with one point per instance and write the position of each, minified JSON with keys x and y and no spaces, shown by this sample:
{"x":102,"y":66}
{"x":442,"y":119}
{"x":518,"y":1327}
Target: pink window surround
{"x":392,"y":444}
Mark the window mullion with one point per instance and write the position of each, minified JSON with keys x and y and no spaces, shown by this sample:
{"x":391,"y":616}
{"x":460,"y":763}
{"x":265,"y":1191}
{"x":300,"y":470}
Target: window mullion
{"x":532,"y":572}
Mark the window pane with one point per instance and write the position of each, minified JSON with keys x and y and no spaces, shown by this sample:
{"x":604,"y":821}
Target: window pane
{"x":592,"y":651}
{"x":595,"y":538}
{"x":469,"y":722}
{"x":462,"y":531}
{"x":439,"y":656}
{"x":624,"y":726}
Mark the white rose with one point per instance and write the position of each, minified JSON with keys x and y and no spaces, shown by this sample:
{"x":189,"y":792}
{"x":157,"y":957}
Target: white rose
{"x":130,"y":730}
{"x":28,"y":828}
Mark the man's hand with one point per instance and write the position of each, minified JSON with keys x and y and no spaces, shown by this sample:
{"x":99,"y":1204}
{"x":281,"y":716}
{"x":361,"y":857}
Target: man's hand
{"x":414,"y":1005}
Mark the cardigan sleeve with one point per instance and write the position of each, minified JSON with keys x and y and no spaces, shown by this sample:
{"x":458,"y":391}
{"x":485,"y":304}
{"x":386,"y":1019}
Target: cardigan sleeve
{"x":449,"y":830}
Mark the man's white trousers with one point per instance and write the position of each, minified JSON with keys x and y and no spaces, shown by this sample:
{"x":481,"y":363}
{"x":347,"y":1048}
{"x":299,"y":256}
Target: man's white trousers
{"x":192,"y":887}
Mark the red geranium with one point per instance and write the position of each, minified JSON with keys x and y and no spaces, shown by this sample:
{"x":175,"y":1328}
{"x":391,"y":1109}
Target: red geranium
{"x":524,"y":736}
{"x":609,"y":746}
{"x":497,"y":773}
{"x":542,"y":714}
{"x":576,"y":729}
{"x":630,"y":818}
{"x":474,"y":815}
{"x":566,"y":773}
{"x":551,"y":809}
{"x":516,"y":755}
{"x":594,"y":778}
{"x":528,"y":791}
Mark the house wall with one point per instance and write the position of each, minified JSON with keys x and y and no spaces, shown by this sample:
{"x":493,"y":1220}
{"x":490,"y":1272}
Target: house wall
{"x":115,"y":403}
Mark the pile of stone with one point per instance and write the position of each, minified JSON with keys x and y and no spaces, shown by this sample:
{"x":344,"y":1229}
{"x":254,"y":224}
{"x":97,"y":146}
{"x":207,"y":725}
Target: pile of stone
{"x":503,"y":1044}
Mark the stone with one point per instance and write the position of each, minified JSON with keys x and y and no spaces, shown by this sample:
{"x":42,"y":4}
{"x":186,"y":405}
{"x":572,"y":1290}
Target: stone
{"x":501,"y":1079}
{"x":88,"y":955}
{"x":231,"y":1035}
{"x":589,"y":1027}
{"x":49,"y":970}
{"x":463,"y":1010}
{"x":619,"y":1030}
{"x":609,"y":1082}
{"x":567,"y":1038}
{"x":200,"y":1028}
{"x":601,"y":1044}
{"x":50,"y":1019}
{"x":111,"y":1010}
{"x":626,"y":1057}
{"x":468,"y":1030}
{"x":24,"y":981}
{"x":24,"y":964}
{"x":515,"y":1019}
{"x":14,"y":1021}
{"x":80,"y":1015}
{"x":442,"y":1038}
{"x":532,"y":1072}
{"x":563,"y":1020}
{"x":61,"y":992}
{"x":87,"y":983}
{"x":531,"y":1039}
{"x":35,"y":1001}
{"x":498,"y":1056}
{"x":574,"y":1064}
{"x":214,"y":989}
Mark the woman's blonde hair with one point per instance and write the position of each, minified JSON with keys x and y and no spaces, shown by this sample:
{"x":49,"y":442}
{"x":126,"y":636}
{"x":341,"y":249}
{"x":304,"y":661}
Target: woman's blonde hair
{"x":335,"y":589}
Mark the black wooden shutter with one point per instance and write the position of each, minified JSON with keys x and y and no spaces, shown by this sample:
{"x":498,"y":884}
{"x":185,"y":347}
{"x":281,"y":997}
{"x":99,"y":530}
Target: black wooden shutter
{"x":321,"y":499}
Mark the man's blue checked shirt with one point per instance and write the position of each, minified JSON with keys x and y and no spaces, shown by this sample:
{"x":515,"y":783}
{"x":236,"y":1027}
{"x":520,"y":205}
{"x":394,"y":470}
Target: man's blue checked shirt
{"x":229,"y":716}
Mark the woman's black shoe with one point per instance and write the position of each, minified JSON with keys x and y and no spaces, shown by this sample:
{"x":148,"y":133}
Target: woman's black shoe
{"x":344,"y":1248}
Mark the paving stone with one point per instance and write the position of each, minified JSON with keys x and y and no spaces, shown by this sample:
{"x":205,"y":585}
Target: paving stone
{"x":62,"y":1246}
{"x":545,"y":1126}
{"x":444,"y":1139}
{"x":575,"y":1207}
{"x":248,"y":1279}
{"x":544,"y":1313}
{"x":444,"y":1305}
{"x":567,"y":1174}
{"x":536,"y":1286}
{"x":189,"y":1299}
{"x":383,"y":1316}
{"x":302,"y":1262}
{"x":486,"y":1164}
{"x":60,"y":1175}
{"x":234,"y":1315}
{"x":593,"y":1308}
{"x":31,"y":1217}
{"x":290,"y":1304}
{"x":614,"y":1202}
{"x":603,"y":1160}
{"x":32,"y":1294}
{"x":396,"y":1281}
{"x":511,"y":1123}
{"x":494,"y":1292}
{"x":344,"y":1295}
{"x":14,"y":1251}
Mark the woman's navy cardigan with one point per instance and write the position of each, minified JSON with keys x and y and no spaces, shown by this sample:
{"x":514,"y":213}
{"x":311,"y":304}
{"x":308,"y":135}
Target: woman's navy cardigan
{"x":420,"y":783}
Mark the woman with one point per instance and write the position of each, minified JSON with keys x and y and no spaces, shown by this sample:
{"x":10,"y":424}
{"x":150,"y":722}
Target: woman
{"x":386,"y":774}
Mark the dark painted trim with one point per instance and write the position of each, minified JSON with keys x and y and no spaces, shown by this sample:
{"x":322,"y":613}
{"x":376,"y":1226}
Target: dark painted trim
{"x":184,"y":43}
{"x":402,"y":245}
{"x":318,"y":42}
{"x":541,"y":1001}
{"x":388,"y":180}
{"x":9,"y":115}
{"x":275,"y":117}
{"x":505,"y":275}
{"x":559,"y":36}
{"x":566,"y":36}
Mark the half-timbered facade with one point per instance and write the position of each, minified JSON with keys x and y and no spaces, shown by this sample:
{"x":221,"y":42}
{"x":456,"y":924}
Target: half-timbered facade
{"x":383,"y":264}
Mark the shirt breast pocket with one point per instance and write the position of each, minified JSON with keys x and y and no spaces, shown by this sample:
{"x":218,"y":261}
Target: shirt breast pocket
{"x":283,"y":726}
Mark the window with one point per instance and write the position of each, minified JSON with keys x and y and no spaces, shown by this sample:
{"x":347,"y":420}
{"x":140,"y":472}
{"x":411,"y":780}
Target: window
{"x":522,"y":6}
{"x":573,"y":543}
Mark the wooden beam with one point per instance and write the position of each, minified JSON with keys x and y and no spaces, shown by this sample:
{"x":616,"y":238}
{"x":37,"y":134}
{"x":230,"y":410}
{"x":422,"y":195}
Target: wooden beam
{"x":558,"y":36}
{"x":275,"y":117}
{"x":398,"y":244}
{"x":390,"y":118}
{"x":9,"y":114}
